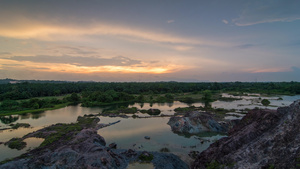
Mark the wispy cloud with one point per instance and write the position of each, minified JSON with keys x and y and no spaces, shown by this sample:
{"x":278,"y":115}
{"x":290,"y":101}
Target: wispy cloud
{"x":170,"y":21}
{"x":267,"y":70}
{"x":245,"y":46}
{"x":84,"y":65}
{"x":78,"y":61}
{"x":258,"y":12}
{"x":24,"y":28}
{"x":29,"y":29}
{"x":225,"y":21}
{"x":5,"y":53}
{"x":183,"y":48}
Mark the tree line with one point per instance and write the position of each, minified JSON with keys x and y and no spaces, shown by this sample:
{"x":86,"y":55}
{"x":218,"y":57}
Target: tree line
{"x":28,"y":90}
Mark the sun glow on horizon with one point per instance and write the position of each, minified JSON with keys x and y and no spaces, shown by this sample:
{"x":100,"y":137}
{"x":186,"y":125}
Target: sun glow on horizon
{"x":54,"y":67}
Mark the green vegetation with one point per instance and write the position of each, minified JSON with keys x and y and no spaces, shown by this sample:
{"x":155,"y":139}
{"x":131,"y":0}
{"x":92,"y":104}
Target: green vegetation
{"x":28,"y":110}
{"x":216,"y":165}
{"x":183,"y":110}
{"x":265,"y":102}
{"x":73,"y":98}
{"x":18,"y":125}
{"x":122,"y":110}
{"x":64,"y":132}
{"x":6,"y":161}
{"x":146,"y":157}
{"x":165,"y":150}
{"x":38,"y":96}
{"x":28,"y":90}
{"x":213,"y":165}
{"x":8,"y":119}
{"x":16,"y":143}
{"x":99,"y":98}
{"x":207,"y":96}
{"x":151,"y":111}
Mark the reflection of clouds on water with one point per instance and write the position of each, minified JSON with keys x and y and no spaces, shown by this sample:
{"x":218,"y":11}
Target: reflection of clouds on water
{"x":9,"y":153}
{"x":254,"y":100}
{"x":165,"y":108}
{"x":132,"y":127}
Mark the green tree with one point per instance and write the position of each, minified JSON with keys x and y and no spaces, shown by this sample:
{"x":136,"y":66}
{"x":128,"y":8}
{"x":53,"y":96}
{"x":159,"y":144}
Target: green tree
{"x":9,"y":105}
{"x":265,"y":102}
{"x":207,"y":96}
{"x":74,"y":98}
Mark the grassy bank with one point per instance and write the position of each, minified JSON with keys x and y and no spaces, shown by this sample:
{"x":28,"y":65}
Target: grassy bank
{"x":58,"y":106}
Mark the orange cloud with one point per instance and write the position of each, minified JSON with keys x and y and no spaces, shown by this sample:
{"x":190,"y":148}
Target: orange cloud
{"x":267,"y":70}
{"x":54,"y":67}
{"x":37,"y":30}
{"x":30,"y":29}
{"x":110,"y":69}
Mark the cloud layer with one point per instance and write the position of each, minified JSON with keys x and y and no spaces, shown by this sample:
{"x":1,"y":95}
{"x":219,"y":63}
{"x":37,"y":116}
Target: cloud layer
{"x":156,"y":40}
{"x":78,"y":61}
{"x":268,"y":11}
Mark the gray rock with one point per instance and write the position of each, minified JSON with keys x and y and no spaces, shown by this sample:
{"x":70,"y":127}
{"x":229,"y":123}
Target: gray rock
{"x":113,"y":145}
{"x":262,"y":139}
{"x":195,"y":122}
{"x":82,"y":147}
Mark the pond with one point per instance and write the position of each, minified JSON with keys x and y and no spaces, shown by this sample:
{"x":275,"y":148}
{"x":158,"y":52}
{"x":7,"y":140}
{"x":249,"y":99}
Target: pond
{"x":129,"y":132}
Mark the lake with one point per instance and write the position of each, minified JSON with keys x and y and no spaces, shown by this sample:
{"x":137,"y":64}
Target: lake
{"x":131,"y":132}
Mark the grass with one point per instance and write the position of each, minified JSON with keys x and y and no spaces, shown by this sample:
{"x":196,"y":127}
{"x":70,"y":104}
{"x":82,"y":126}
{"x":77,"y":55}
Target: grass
{"x":164,"y":150}
{"x":18,"y":125}
{"x":61,"y":132}
{"x":97,"y":104}
{"x":16,"y":143}
{"x":58,"y":106}
{"x":47,"y":97}
{"x":65,"y":132}
{"x":146,"y":157}
{"x":151,"y":111}
{"x":122,"y":110}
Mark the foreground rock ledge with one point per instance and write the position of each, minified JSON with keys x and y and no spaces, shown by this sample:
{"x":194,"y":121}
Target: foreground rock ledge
{"x":78,"y":145}
{"x":262,"y":139}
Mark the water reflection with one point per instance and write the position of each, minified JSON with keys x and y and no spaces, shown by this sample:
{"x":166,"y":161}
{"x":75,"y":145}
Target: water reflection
{"x":31,"y":143}
{"x":141,"y":105}
{"x":202,"y":134}
{"x":165,"y":108}
{"x":38,"y":115}
{"x":132,"y":131}
{"x":8,"y":119}
{"x":140,"y":165}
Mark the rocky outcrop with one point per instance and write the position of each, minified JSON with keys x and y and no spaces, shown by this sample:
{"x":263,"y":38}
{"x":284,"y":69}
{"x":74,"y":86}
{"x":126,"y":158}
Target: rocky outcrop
{"x":262,"y":139}
{"x":195,"y":122}
{"x":77,"y":145}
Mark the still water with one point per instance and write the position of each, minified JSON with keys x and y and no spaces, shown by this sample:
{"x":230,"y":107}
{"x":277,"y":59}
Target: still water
{"x":130,"y":132}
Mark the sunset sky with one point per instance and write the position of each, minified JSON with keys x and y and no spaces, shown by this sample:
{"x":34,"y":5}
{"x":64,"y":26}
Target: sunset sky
{"x":153,"y":40}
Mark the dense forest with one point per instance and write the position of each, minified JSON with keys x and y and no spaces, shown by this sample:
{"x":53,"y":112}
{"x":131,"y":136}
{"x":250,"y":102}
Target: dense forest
{"x":22,"y":96}
{"x":26,"y":90}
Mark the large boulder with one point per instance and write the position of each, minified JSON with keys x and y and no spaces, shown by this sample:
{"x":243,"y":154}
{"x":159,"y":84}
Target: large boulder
{"x":195,"y":122}
{"x":262,"y":139}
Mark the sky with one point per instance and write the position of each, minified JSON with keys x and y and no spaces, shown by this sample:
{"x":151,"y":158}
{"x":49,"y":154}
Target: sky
{"x":148,"y":41}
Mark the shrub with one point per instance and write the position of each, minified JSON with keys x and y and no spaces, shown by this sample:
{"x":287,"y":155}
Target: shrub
{"x":265,"y":102}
